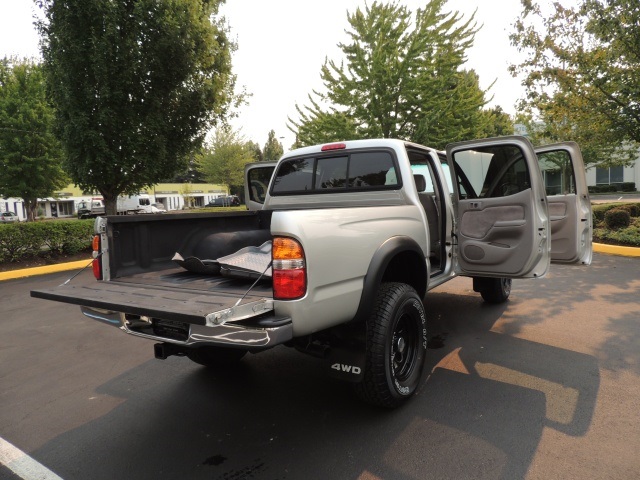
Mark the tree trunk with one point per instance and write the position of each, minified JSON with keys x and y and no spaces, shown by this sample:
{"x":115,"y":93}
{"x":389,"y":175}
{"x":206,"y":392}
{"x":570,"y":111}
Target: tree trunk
{"x":110,"y":203}
{"x":31,"y":206}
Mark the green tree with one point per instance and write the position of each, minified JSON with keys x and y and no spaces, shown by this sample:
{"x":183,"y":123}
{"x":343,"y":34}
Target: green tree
{"x":254,"y":147}
{"x":401,"y":78}
{"x":582,"y":75}
{"x":30,"y":154}
{"x":191,"y":174}
{"x":136,"y":85}
{"x":223,"y":160}
{"x":496,"y":123}
{"x":273,"y":149}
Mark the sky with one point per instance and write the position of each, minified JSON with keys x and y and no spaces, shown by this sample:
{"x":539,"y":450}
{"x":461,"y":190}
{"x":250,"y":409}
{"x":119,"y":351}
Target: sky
{"x":282,"y":45}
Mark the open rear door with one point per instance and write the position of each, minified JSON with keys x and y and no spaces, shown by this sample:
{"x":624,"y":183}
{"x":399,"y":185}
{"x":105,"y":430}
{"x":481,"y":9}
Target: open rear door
{"x":256,"y":183}
{"x":502,"y":220}
{"x":569,"y":205}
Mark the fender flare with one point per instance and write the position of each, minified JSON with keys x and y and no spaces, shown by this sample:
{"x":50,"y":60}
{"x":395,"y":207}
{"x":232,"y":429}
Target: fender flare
{"x":378,"y":266}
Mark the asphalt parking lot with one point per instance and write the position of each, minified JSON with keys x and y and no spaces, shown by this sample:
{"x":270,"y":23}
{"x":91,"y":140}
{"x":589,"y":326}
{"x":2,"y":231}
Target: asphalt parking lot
{"x":544,"y":386}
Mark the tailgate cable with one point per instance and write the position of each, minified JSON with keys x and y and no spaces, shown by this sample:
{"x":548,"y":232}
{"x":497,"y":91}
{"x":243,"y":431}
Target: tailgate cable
{"x":84,"y":268}
{"x":251,"y":287}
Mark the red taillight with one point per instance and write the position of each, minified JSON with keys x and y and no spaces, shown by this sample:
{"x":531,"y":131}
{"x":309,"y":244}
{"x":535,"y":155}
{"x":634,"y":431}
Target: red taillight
{"x":97,"y":258}
{"x":333,"y":146}
{"x":289,"y":269}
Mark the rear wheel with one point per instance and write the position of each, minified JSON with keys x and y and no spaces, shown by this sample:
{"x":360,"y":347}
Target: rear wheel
{"x":215,"y":356}
{"x":396,"y":347}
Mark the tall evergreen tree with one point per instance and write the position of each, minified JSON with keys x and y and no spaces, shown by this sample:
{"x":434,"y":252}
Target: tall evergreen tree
{"x":272,"y":149}
{"x":401,"y":78}
{"x":30,"y":154}
{"x":136,"y":85}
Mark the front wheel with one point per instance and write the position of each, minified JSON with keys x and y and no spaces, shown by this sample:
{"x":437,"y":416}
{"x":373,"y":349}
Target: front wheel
{"x":493,"y":290}
{"x":396,"y":346}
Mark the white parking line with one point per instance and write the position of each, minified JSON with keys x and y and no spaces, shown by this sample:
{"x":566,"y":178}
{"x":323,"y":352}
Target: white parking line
{"x":22,"y":464}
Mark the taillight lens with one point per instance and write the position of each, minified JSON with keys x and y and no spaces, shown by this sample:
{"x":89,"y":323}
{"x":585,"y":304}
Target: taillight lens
{"x":97,"y":258}
{"x":333,"y":146}
{"x":289,"y":269}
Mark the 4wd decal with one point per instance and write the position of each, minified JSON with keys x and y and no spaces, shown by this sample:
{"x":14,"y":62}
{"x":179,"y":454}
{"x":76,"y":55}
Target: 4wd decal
{"x":346,"y":364}
{"x":347,"y":368}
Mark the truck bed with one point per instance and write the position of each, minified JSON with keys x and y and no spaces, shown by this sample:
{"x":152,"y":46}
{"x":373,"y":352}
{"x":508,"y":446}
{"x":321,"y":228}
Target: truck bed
{"x":146,"y":282}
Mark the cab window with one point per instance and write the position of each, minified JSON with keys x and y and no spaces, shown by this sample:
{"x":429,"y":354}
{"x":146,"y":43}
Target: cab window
{"x":368,"y":169}
{"x":490,"y":172}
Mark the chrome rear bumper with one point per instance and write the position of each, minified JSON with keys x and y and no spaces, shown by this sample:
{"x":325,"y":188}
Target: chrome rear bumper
{"x":252,"y":334}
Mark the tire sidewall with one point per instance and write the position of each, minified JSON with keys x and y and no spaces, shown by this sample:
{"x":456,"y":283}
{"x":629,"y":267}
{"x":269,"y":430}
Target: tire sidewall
{"x":409,"y":304}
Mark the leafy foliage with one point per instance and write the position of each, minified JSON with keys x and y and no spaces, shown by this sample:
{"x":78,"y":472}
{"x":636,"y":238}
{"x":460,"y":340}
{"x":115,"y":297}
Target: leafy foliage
{"x":272,"y":149}
{"x":617,"y":218}
{"x":629,"y":235}
{"x":30,"y":155}
{"x":401,"y":78}
{"x":136,"y":86}
{"x":223,"y":160}
{"x":582,"y":75}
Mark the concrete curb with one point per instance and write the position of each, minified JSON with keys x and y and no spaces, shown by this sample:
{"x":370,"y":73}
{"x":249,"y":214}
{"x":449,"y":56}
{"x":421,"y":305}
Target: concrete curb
{"x":616,"y":250}
{"x":62,"y":267}
{"x":30,"y":272}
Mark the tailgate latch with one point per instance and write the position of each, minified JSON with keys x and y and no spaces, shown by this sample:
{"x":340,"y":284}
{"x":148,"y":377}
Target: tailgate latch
{"x":239,"y":312}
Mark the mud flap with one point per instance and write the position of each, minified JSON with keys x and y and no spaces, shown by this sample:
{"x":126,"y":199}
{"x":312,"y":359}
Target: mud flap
{"x":347,"y":365}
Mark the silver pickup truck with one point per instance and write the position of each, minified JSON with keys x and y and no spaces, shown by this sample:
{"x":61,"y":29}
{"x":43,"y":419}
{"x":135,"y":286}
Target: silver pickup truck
{"x":337,"y":251}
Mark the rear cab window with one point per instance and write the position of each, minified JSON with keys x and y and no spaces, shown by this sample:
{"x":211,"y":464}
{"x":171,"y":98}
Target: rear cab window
{"x":337,"y":172}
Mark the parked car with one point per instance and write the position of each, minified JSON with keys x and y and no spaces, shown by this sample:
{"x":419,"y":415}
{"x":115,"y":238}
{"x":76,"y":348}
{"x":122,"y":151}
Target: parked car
{"x":229,"y":201}
{"x":9,"y":217}
{"x":158,"y":208}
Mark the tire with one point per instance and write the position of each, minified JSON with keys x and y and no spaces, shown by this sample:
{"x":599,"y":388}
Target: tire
{"x":396,"y":346}
{"x":495,"y":290}
{"x":215,"y":357}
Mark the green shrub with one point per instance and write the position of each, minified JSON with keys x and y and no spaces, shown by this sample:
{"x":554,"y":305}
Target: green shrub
{"x":617,"y":218}
{"x":24,"y":240}
{"x":629,"y":236}
{"x":632,"y":208}
{"x":593,"y":189}
{"x":628,"y":187}
{"x":78,"y":236}
{"x":600,"y":210}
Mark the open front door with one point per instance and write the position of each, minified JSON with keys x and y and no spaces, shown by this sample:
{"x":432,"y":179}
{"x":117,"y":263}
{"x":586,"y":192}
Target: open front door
{"x":256,"y":183}
{"x":502,"y":221}
{"x":569,"y":205}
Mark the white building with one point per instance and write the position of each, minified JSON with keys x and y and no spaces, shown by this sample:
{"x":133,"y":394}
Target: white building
{"x":614,"y":175}
{"x":174,"y":196}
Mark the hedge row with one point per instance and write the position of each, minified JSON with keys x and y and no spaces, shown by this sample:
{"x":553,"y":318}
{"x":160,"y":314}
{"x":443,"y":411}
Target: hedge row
{"x":615,"y":187}
{"x":21,"y":241}
{"x":600,"y":210}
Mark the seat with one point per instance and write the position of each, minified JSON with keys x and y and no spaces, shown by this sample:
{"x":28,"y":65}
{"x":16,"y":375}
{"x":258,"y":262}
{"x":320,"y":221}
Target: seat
{"x":428,"y":201}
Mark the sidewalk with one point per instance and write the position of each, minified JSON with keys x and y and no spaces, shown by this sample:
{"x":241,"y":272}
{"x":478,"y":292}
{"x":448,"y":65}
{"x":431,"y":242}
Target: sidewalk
{"x":61,"y":267}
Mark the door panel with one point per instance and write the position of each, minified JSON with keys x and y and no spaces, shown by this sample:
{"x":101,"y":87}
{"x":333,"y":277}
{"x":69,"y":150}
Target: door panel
{"x":256,"y":183}
{"x":569,"y":204}
{"x":502,"y":225}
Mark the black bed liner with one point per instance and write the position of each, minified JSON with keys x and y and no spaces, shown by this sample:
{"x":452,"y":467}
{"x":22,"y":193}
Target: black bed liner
{"x":171,"y":294}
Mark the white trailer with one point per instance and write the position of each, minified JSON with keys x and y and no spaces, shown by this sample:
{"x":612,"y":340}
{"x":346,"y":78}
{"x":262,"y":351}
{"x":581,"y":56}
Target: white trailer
{"x":133,"y":204}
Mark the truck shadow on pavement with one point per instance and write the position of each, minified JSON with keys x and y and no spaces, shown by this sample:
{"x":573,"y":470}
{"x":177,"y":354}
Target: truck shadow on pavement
{"x":480,"y":414}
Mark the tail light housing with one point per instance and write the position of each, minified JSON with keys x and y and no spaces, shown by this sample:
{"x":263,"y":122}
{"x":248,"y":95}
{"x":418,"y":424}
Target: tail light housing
{"x":97,"y":258}
{"x":289,"y":269}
